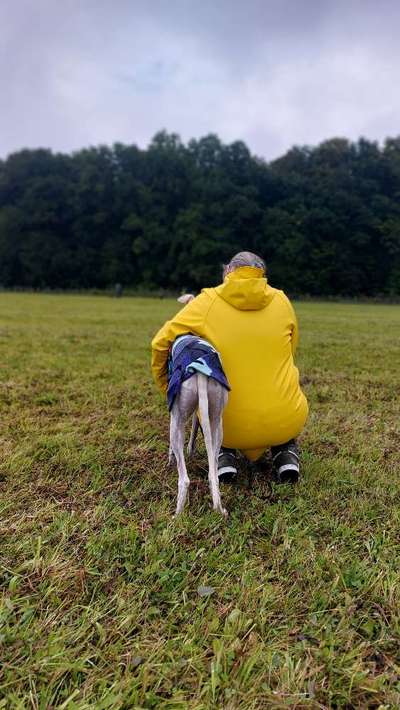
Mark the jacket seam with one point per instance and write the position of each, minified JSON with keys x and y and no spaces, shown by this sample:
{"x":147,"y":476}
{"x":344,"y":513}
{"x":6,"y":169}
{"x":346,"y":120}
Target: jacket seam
{"x":208,"y":309}
{"x":284,"y":298}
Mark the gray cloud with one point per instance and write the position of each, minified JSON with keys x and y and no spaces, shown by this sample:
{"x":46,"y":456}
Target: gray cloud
{"x":271,"y":72}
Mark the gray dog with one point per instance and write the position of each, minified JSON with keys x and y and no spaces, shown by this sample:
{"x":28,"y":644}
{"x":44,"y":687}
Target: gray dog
{"x":209,"y":397}
{"x":203,"y":394}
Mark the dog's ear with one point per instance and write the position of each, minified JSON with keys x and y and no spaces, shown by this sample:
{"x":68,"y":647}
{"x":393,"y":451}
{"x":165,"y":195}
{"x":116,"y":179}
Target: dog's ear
{"x":186,"y":298}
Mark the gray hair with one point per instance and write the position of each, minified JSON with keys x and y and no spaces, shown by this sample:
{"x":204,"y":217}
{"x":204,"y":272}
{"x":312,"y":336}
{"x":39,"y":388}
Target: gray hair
{"x":244,"y":258}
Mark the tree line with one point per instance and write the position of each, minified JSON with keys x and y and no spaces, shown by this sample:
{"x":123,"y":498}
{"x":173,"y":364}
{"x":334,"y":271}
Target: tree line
{"x":326,"y":219}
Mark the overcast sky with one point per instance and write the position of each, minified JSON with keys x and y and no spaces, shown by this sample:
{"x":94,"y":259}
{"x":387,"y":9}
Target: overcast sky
{"x":273,"y":73}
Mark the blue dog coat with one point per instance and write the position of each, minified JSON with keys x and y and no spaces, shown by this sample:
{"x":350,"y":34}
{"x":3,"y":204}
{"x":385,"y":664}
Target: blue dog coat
{"x":190,"y":354}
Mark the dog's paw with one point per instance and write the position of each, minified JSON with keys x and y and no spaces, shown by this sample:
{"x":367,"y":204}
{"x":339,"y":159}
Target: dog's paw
{"x":222,"y":510}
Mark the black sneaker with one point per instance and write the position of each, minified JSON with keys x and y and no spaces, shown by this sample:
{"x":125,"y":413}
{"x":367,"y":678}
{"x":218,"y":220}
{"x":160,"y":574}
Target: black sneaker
{"x":285,"y":460}
{"x":227,"y":466}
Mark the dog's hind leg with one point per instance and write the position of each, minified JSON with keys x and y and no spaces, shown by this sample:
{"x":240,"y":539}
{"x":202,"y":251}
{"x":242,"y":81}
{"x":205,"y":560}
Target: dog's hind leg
{"x":193,"y":434}
{"x":217,"y":399}
{"x":177,"y":433}
{"x":208,"y":440}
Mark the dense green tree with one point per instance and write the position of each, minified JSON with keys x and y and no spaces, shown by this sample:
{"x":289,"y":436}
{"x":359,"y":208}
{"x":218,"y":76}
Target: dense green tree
{"x":326,"y":219}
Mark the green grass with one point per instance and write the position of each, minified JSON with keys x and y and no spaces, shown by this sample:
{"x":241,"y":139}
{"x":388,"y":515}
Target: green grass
{"x":99,"y":605}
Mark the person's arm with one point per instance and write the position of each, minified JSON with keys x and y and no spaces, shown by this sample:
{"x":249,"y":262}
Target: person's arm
{"x":188,"y":320}
{"x":294,"y":324}
{"x":295,"y":332}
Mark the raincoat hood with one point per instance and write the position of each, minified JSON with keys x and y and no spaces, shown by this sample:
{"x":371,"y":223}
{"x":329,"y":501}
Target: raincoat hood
{"x":246,"y":289}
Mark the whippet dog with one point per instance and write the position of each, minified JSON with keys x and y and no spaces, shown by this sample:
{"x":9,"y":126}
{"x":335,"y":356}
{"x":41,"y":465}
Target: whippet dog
{"x":205,"y":395}
{"x":208,"y":397}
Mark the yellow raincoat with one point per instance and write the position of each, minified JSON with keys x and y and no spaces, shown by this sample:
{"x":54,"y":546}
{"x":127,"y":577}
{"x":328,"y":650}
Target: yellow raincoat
{"x":254,"y":328}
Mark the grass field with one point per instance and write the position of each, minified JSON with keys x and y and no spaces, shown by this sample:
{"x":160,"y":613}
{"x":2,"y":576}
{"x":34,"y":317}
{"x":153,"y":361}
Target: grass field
{"x":100,"y":603}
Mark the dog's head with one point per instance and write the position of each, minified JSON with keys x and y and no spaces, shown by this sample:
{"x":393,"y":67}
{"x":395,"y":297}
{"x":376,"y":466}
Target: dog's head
{"x":186,"y":298}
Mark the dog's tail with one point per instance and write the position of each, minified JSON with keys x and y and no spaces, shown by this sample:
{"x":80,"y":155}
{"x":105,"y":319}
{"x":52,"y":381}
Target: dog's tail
{"x":202,"y":381}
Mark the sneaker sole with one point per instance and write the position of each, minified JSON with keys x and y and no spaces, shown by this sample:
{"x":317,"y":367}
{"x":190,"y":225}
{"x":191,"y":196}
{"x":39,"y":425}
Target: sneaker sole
{"x":287,"y":474}
{"x":227,"y":469}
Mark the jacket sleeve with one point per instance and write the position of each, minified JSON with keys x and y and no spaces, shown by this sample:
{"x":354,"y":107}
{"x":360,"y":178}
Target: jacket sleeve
{"x":189,"y":319}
